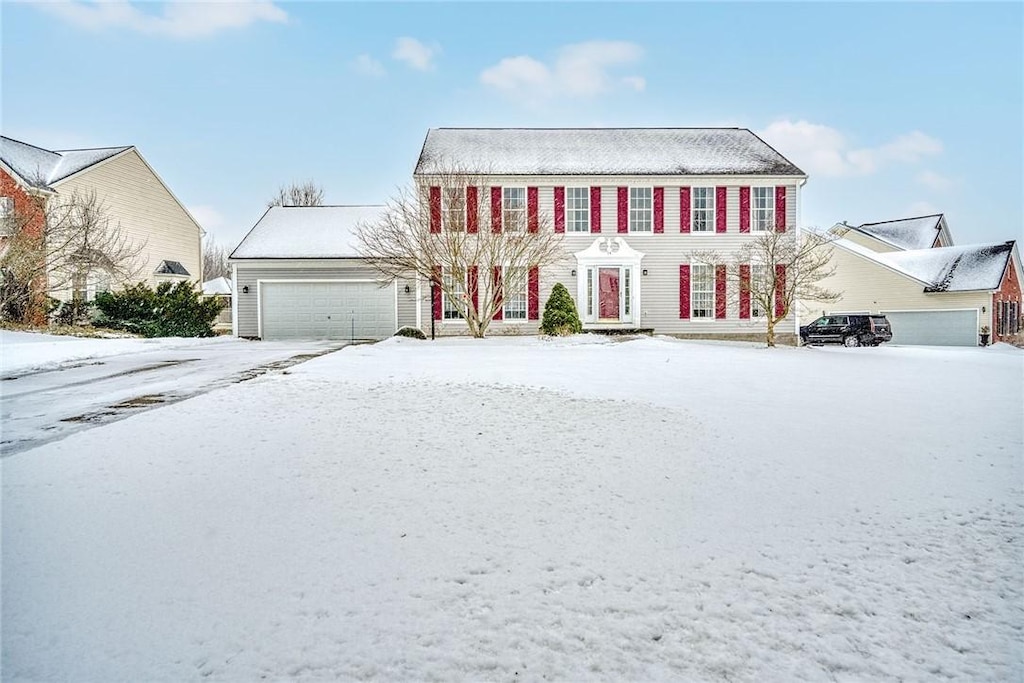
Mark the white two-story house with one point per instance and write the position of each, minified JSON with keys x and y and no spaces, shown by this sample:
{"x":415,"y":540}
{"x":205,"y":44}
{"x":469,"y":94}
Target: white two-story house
{"x":631,"y":205}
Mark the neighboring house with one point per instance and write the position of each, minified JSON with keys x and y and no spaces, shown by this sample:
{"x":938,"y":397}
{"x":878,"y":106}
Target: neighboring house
{"x":631,"y":205}
{"x":132,"y":194}
{"x":934,"y":293}
{"x":298,"y":274}
{"x":220,"y":288}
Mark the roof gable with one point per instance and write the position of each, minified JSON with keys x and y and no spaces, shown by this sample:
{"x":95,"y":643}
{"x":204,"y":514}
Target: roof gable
{"x":906,"y":233}
{"x":601,"y":151}
{"x":41,"y":168}
{"x":298,"y":232}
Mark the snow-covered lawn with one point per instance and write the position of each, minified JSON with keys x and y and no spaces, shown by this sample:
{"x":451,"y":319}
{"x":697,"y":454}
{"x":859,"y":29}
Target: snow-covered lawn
{"x":523,"y":509}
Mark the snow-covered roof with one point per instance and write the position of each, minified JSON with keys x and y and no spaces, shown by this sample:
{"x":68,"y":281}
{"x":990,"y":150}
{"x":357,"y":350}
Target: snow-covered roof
{"x":42,"y":168}
{"x":905,"y":233}
{"x":218,"y":285}
{"x":964,"y":268}
{"x":601,"y":151}
{"x":307,"y":232}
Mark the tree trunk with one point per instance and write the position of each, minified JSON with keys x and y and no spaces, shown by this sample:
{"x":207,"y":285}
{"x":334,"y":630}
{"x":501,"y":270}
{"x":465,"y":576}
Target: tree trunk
{"x":770,"y":334}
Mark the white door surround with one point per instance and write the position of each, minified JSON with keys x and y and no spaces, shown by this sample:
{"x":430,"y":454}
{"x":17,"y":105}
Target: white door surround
{"x":618,"y":261}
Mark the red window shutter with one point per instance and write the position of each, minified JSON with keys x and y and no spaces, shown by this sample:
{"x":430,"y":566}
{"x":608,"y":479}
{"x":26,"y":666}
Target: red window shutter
{"x":744,"y":291}
{"x":780,"y":208}
{"x":532,"y":212}
{"x":474,"y":287}
{"x":533,"y":294}
{"x":780,"y":290}
{"x":559,"y":209}
{"x":684,"y":292}
{"x":472,"y":210}
{"x":659,"y":209}
{"x":719,"y":209}
{"x":685,"y":217}
{"x":745,"y":209}
{"x":720,"y":292}
{"x":495,"y":209}
{"x":436,"y":303}
{"x":595,"y":209}
{"x":499,"y":296}
{"x":435,"y":209}
{"x":623,"y":212}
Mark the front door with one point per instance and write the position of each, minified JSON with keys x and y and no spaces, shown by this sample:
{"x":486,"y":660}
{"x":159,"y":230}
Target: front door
{"x":608,"y":293}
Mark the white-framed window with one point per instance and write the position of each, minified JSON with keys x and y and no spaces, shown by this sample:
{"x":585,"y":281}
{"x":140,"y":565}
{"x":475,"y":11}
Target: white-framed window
{"x":513,"y":207}
{"x":702,"y":207}
{"x":641,"y":209}
{"x":514,"y":286}
{"x":762,"y":209}
{"x":577,"y":209}
{"x":590,"y":293}
{"x":455,"y":284}
{"x":627,"y":291}
{"x":702,"y":291}
{"x":453,"y":208}
{"x":758,"y":282}
{"x":6,"y":207}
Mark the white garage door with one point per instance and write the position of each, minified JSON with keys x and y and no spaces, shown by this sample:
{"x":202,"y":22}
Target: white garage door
{"x":934,"y":328}
{"x":327,"y":310}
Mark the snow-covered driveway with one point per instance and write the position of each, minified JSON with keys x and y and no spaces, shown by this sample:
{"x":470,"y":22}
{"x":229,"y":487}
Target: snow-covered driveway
{"x":528,"y":510}
{"x":53,"y":386}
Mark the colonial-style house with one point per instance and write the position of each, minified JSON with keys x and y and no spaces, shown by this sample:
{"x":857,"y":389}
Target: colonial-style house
{"x":933,"y":291}
{"x":133,"y":197}
{"x":631,"y":205}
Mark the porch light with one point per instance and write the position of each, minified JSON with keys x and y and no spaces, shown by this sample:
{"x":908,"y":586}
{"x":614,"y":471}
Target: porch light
{"x":245,"y":289}
{"x":574,"y":272}
{"x":645,"y":271}
{"x":407,"y":289}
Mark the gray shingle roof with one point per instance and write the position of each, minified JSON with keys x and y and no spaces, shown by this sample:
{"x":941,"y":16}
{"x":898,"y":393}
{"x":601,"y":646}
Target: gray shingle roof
{"x":42,"y":168}
{"x":601,"y":151}
{"x":906,"y":233}
{"x":171,"y":268}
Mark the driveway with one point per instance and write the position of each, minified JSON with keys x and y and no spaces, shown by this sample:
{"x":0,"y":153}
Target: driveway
{"x":45,"y":404}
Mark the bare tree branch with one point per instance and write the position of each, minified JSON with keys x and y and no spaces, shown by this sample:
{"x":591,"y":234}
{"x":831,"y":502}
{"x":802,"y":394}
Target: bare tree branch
{"x":215,"y":261}
{"x":307,"y":193}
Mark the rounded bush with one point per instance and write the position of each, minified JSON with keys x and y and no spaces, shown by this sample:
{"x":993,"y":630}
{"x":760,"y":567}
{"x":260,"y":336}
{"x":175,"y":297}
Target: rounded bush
{"x":560,"y":315}
{"x":411,"y":332}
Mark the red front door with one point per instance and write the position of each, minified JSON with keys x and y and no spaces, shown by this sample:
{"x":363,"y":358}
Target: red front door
{"x":608,"y":293}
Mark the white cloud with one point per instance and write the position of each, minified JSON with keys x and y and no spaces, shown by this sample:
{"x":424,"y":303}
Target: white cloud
{"x":921,"y":208}
{"x":578,"y":70}
{"x":174,"y":20}
{"x":934,"y":181}
{"x":208,"y":217}
{"x":366,"y":65}
{"x":416,"y":54}
{"x":823,"y":150}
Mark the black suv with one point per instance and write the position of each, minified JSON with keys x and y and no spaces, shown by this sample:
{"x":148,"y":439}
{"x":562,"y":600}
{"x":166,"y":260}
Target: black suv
{"x":848,"y":330}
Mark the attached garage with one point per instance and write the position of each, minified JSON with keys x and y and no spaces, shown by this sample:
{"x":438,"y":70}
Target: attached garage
{"x":934,"y":328}
{"x":298,"y":275}
{"x":327,"y":310}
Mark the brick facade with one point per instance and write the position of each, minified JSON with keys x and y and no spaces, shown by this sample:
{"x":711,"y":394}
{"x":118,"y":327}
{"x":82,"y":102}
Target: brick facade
{"x":1009,"y":291}
{"x":28,"y":221}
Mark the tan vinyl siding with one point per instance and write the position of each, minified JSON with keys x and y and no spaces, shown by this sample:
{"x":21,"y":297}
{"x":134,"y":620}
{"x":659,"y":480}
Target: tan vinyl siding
{"x":872,"y":288}
{"x":147,"y":213}
{"x":249,"y":273}
{"x":663,"y":253}
{"x":875,"y":245}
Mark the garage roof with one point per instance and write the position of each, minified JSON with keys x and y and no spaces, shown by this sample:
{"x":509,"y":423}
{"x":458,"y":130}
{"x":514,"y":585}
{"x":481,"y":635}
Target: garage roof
{"x":905,"y":233}
{"x":298,"y":232}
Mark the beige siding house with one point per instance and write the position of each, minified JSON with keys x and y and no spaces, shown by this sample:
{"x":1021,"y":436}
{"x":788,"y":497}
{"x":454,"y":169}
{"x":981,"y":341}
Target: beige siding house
{"x":933,"y":292}
{"x":134,"y":198}
{"x":631,"y":205}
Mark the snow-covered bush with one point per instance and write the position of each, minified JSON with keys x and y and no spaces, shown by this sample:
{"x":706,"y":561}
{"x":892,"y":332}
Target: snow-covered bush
{"x":560,"y":315}
{"x":411,"y":332}
{"x":172,"y":310}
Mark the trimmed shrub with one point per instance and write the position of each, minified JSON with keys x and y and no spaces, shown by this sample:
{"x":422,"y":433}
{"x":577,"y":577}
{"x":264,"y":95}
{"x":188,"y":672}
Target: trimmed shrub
{"x":172,"y":310}
{"x":411,"y":332}
{"x":560,"y":316}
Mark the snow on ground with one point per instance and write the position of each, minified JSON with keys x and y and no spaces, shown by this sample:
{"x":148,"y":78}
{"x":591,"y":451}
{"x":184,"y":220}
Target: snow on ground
{"x":522,"y":509}
{"x":22,"y":351}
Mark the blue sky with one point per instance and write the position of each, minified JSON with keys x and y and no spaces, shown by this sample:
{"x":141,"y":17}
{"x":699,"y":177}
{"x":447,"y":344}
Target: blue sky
{"x":893,"y":109}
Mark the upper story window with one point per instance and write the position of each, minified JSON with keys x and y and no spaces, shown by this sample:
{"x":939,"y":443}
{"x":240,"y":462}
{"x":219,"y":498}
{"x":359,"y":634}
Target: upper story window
{"x":577,"y":209}
{"x":513,"y":205}
{"x":702,"y":291}
{"x":703,"y":208}
{"x":453,"y":208}
{"x":641,"y":209}
{"x":514,"y":293}
{"x":455,"y":285}
{"x":762,"y":209}
{"x":6,"y":207}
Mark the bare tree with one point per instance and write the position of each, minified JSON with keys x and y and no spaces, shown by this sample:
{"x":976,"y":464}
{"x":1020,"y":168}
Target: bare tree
{"x":774,"y":271}
{"x":61,"y":245}
{"x":307,"y":193}
{"x":439,"y":232}
{"x":215,"y":261}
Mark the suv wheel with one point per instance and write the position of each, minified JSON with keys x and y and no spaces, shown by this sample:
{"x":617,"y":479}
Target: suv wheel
{"x":851,"y":341}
